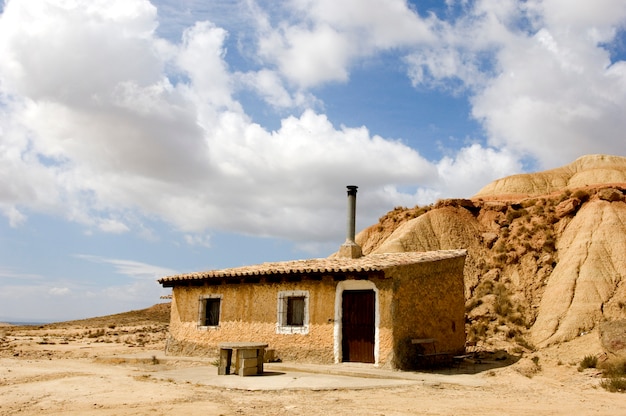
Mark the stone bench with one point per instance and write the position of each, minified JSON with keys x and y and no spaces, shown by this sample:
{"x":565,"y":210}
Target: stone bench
{"x":248,"y":361}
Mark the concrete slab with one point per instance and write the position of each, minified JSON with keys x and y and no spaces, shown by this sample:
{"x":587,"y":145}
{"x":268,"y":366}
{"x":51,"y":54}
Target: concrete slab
{"x":293,"y":376}
{"x":275,"y":380}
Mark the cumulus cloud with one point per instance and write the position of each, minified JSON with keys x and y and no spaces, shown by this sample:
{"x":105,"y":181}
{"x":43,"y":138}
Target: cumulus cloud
{"x":148,"y":127}
{"x":540,"y":75}
{"x":105,"y":123}
{"x":269,"y":85}
{"x":320,"y":40}
{"x":558,"y":94}
{"x":475,"y":165}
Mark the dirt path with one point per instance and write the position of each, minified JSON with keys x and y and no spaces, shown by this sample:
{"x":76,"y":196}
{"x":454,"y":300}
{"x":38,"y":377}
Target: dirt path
{"x":64,"y":372}
{"x":80,"y":386}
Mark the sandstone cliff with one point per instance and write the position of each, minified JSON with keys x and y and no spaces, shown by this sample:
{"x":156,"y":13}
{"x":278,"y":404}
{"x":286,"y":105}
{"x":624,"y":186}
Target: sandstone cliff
{"x":546,"y":251}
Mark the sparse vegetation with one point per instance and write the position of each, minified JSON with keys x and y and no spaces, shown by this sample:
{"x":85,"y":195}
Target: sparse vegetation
{"x":522,"y":342}
{"x":589,"y":361}
{"x":581,"y":194}
{"x":614,"y":376}
{"x":614,"y":384}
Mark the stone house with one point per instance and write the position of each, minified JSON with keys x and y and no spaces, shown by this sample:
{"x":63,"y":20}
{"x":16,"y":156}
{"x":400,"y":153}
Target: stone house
{"x":345,"y":308}
{"x":330,"y":310}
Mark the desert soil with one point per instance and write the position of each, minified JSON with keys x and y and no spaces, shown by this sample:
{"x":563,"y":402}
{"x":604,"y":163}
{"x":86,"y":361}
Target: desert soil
{"x":73,"y":370}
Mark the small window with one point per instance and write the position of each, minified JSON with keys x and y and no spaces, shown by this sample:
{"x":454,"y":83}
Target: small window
{"x":210,"y":310}
{"x":293,"y":312}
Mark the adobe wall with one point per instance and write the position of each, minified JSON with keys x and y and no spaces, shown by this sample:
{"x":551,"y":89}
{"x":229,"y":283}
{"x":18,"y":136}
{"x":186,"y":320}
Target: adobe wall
{"x":429,"y":302}
{"x":249,"y":313}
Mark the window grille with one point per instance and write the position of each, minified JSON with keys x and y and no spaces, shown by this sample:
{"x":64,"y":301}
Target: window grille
{"x":212,"y":315}
{"x":293,"y":312}
{"x":209,"y":313}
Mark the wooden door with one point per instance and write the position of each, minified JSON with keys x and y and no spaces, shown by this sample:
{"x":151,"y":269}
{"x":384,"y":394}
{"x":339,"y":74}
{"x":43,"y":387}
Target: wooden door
{"x":358,"y":321}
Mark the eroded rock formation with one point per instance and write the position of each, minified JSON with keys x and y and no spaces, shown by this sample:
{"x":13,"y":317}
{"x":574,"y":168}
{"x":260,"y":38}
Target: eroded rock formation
{"x":546,"y":251}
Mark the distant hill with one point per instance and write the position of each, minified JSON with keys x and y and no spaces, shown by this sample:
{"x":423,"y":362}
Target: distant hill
{"x":546,"y":251}
{"x":156,"y":314}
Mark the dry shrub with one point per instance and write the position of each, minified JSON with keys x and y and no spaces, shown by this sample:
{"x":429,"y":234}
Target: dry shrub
{"x":614,"y":376}
{"x":528,"y":367}
{"x":96,"y":334}
{"x":614,"y":384}
{"x":514,"y":214}
{"x":483,"y":288}
{"x":522,"y":342}
{"x":503,"y":306}
{"x":589,"y":361}
{"x":477,"y":331}
{"x":582,"y":194}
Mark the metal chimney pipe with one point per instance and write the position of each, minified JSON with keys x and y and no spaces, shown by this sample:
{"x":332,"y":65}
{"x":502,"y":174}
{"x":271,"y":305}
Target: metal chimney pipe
{"x":351,"y":213}
{"x":350,"y":248}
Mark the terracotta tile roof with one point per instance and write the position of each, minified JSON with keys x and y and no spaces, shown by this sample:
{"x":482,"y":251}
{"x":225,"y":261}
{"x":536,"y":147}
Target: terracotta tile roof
{"x":369,"y":263}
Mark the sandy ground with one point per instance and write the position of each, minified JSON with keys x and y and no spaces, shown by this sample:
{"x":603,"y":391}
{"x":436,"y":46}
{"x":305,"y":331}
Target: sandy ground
{"x":80,"y":371}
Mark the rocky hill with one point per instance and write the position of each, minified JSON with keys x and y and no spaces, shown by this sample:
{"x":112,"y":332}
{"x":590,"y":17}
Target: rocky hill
{"x":546,"y":252}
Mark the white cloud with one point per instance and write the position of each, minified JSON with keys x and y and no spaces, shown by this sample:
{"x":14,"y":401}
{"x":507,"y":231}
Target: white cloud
{"x":15,"y":217}
{"x":577,"y":16}
{"x":558,"y":96}
{"x":309,"y":57}
{"x":147,"y":128}
{"x":320,"y":40}
{"x":70,"y":31}
{"x":539,"y":73}
{"x":9,"y":273}
{"x":269,"y":86}
{"x":475,"y":166}
{"x":59,"y":291}
{"x":113,"y":226}
{"x":198,"y":240}
{"x":131,"y":268}
{"x":125,"y":141}
{"x":379,"y":24}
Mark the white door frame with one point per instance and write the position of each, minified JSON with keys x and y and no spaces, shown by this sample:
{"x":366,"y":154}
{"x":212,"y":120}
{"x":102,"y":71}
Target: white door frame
{"x":338,"y":329}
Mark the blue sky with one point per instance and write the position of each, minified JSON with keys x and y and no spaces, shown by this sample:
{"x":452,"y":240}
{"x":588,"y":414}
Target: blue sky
{"x":140,"y":139}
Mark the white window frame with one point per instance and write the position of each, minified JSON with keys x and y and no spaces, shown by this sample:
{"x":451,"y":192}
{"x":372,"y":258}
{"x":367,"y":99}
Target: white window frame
{"x":202,"y":310}
{"x":281,"y":325}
